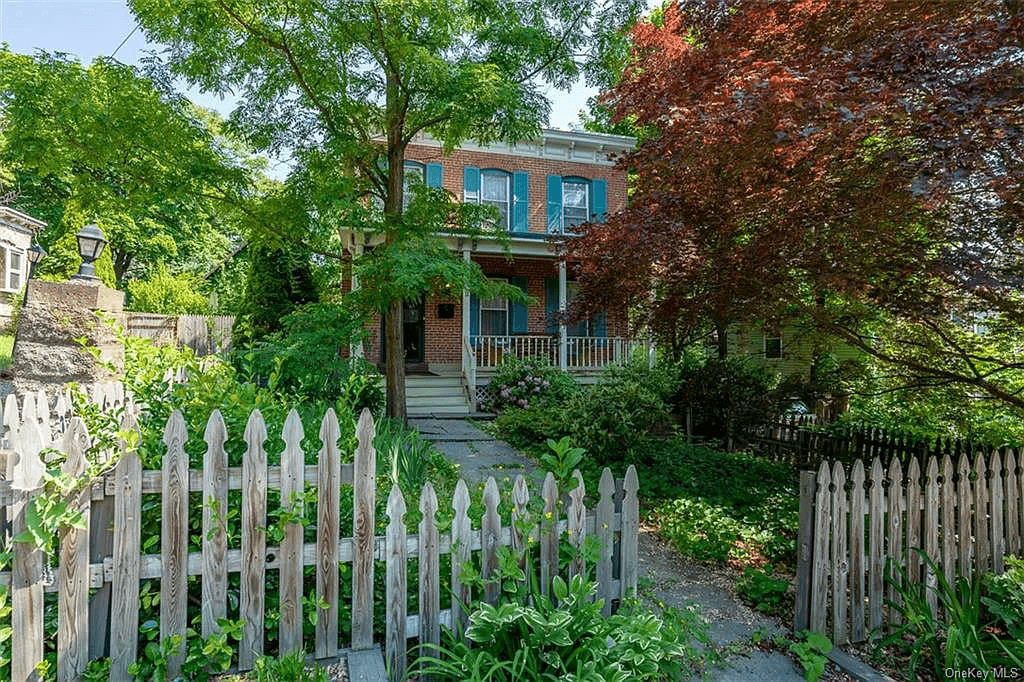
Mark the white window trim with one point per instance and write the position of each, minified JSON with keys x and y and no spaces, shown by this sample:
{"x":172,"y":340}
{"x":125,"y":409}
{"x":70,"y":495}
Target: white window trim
{"x":8,"y":253}
{"x":478,"y":197}
{"x":566,"y":227}
{"x":409,"y":169}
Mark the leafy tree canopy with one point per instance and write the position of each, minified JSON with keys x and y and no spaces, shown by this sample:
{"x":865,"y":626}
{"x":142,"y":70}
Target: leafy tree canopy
{"x":344,"y":87}
{"x":856,"y":162}
{"x":105,"y":143}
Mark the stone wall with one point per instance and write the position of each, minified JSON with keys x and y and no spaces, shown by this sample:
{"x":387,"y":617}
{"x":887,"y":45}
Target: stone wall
{"x":58,"y":315}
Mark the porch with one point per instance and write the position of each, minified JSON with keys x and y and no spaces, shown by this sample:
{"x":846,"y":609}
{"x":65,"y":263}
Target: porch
{"x":583,"y":356}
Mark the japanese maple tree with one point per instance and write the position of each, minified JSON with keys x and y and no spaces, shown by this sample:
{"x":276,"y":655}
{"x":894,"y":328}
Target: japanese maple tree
{"x":848,"y":162}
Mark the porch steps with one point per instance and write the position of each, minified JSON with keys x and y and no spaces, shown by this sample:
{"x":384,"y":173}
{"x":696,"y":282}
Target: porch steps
{"x":436,"y":395}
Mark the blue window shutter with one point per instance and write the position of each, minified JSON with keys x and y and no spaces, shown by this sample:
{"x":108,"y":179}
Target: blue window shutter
{"x":519,"y":324}
{"x":555,"y":204}
{"x":550,"y":304}
{"x":474,"y":317}
{"x":520,"y":202}
{"x":435,"y":175}
{"x":599,"y":199}
{"x":471,"y":185}
{"x":601,"y":324}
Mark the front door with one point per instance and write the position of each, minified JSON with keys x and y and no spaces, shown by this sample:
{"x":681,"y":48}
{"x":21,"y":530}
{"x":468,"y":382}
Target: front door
{"x":413,"y":331}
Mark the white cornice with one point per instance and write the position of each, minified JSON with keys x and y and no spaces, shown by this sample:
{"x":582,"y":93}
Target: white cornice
{"x":565,"y":145}
{"x":18,"y":219}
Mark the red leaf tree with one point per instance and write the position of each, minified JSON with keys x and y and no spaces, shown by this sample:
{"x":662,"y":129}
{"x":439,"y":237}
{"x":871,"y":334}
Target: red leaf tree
{"x":836,"y":160}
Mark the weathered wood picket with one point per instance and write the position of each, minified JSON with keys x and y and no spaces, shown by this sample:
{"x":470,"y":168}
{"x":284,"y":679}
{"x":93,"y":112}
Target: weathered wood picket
{"x":854,"y":528}
{"x":125,"y":565}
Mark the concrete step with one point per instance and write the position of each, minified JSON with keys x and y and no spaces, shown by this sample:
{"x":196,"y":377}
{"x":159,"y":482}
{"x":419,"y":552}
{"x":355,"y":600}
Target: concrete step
{"x":430,"y":380}
{"x":430,"y":391}
{"x":439,"y":411}
{"x":436,"y":400}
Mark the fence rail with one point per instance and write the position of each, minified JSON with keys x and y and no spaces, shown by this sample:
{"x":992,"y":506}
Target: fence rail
{"x":122,"y":567}
{"x":856,"y":522}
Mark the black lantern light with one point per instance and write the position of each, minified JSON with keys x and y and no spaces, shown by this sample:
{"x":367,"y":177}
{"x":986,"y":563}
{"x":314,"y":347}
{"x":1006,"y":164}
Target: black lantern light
{"x":91,"y":241}
{"x":35,"y":254}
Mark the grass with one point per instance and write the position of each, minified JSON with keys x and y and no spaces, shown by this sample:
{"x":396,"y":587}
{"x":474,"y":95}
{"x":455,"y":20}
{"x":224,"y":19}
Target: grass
{"x":6,"y":348}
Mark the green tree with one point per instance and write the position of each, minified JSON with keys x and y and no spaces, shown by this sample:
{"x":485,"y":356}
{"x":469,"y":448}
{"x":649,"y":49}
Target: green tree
{"x":279,"y":280}
{"x":104,"y":143}
{"x":167,"y":294}
{"x":345,"y":86}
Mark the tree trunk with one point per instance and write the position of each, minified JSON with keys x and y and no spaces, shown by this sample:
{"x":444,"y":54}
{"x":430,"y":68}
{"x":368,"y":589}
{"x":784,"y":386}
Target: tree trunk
{"x":394,"y":361}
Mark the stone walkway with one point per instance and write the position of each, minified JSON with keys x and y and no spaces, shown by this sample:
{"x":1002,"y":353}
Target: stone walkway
{"x":477,"y":453}
{"x":675,"y":581}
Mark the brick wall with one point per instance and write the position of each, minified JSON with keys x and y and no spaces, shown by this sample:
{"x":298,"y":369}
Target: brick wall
{"x":443,"y":337}
{"x":537,"y":167}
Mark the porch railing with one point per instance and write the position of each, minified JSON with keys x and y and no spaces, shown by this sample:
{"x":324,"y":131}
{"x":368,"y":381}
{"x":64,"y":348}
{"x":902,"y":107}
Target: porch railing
{"x":583,"y":352}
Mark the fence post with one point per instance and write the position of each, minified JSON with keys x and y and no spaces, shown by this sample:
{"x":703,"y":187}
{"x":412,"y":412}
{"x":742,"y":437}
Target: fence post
{"x":804,"y":547}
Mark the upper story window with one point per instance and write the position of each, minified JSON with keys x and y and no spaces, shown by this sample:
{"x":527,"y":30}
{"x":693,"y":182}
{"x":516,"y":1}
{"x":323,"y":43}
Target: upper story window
{"x":11,"y":268}
{"x":414,"y":174}
{"x":494,"y":191}
{"x":573,"y":201}
{"x":506,"y":192}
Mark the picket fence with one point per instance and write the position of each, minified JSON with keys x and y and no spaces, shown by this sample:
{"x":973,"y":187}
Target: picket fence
{"x":115,"y":571}
{"x":801,"y":441}
{"x":859,"y":526}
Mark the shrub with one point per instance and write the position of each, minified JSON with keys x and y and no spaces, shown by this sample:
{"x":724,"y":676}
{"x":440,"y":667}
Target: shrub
{"x":305,"y":359}
{"x":532,"y":382}
{"x":725,"y":397}
{"x":612,"y":417}
{"x":279,"y":280}
{"x":167,"y":294}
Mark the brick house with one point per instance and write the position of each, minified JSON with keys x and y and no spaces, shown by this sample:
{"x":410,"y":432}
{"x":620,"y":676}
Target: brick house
{"x":541,"y":190}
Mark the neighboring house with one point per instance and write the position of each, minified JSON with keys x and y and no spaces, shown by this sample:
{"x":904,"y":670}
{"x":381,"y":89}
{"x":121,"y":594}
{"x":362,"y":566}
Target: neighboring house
{"x":541,"y":190}
{"x":17,"y":232}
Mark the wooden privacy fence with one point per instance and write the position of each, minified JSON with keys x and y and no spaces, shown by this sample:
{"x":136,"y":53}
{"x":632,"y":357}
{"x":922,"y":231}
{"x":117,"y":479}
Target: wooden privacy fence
{"x":803,"y":441}
{"x":615,"y":524}
{"x":854,"y":523}
{"x":204,"y":334}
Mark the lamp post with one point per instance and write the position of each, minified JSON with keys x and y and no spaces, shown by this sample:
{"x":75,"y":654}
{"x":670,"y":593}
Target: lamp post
{"x":35,"y":254}
{"x":91,"y":241}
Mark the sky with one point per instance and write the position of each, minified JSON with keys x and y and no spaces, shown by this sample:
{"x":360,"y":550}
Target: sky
{"x":91,"y":28}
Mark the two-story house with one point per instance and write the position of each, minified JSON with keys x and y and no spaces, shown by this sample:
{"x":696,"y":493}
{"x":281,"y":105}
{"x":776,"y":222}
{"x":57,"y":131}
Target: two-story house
{"x":541,"y":190}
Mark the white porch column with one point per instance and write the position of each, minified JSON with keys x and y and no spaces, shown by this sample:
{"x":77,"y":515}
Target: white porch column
{"x":465,"y":301}
{"x":357,"y":350}
{"x":563,"y":341}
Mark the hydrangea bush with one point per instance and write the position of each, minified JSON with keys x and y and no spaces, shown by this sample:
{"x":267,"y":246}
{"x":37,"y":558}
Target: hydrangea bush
{"x":532,"y":382}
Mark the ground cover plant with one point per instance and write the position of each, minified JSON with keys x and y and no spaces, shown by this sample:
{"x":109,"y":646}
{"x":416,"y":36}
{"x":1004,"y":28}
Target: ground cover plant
{"x":561,"y":634}
{"x":980,"y":630}
{"x":715,"y":506}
